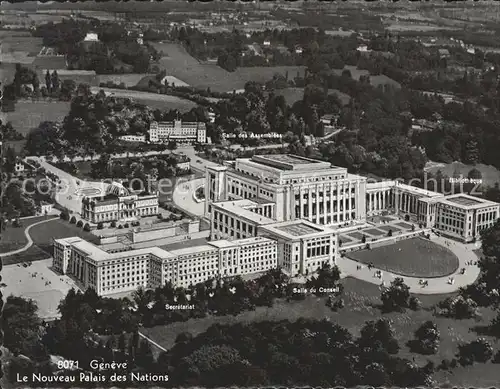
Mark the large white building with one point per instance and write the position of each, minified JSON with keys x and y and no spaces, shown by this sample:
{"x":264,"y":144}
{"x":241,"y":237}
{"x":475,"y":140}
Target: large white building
{"x":247,"y":195}
{"x":181,"y":132}
{"x":110,"y":273}
{"x":119,"y":204}
{"x":267,"y":212}
{"x":291,"y":187}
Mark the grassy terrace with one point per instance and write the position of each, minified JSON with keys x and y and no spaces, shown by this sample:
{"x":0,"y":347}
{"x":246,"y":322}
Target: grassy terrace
{"x":413,"y":257}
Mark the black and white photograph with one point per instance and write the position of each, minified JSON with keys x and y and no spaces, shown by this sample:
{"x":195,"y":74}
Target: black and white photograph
{"x":249,"y":194}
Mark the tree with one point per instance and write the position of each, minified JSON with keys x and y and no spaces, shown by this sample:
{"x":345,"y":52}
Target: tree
{"x":144,"y":354}
{"x":479,"y":350}
{"x":396,"y":296}
{"x":22,"y":329}
{"x":427,"y":339}
{"x":48,"y":81}
{"x":55,"y":80}
{"x":459,"y":307}
{"x":172,"y":145}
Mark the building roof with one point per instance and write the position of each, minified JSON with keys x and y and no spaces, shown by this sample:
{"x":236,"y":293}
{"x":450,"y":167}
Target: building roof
{"x":288,"y":161}
{"x":296,"y":229}
{"x":117,"y":189}
{"x":240,"y":242}
{"x":192,"y":250}
{"x":97,"y":254}
{"x":420,"y":191}
{"x":242,"y":208}
{"x":465,"y":201}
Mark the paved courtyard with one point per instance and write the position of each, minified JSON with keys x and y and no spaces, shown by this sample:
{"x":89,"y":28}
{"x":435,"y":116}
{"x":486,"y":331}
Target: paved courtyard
{"x":380,"y":226}
{"x":19,"y":281}
{"x":183,"y":197}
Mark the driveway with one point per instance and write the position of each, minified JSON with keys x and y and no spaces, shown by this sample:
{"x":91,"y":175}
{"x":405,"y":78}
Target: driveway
{"x":438,"y":285}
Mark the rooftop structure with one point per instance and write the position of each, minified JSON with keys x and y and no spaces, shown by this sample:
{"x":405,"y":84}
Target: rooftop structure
{"x":467,"y":202}
{"x":296,"y":229}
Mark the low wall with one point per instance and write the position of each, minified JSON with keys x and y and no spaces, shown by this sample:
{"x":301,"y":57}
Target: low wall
{"x":108,"y":239}
{"x":142,"y":236}
{"x":175,"y":239}
{"x":384,"y":241}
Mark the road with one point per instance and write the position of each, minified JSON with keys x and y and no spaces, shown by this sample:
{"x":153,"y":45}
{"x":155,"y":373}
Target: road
{"x":437,"y":285}
{"x":67,"y":192}
{"x":28,"y":237}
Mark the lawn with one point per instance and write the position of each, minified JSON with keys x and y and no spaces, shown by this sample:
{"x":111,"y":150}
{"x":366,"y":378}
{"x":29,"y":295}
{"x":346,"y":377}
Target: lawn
{"x":356,"y":235}
{"x":414,"y":257}
{"x":404,"y":225}
{"x":17,"y":42}
{"x":388,"y":228}
{"x":153,"y":100}
{"x":178,"y":63}
{"x":295,"y":94}
{"x":373,"y":231}
{"x":42,"y":235}
{"x":34,"y":253}
{"x":29,"y":114}
{"x":361,"y":305}
{"x":345,"y":239}
{"x":265,"y":73}
{"x":13,"y":238}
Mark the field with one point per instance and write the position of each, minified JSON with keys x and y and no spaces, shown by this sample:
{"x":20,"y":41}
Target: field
{"x":490,"y":174}
{"x":402,"y":26}
{"x":43,"y":234}
{"x":361,"y":305}
{"x":29,"y":114}
{"x":412,"y":257}
{"x":295,"y":94}
{"x":18,"y":47}
{"x":178,"y":63}
{"x":13,"y":238}
{"x":153,"y":100}
{"x":19,"y":42}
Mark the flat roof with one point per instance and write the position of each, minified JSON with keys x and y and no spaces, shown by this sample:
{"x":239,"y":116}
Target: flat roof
{"x":417,"y":190}
{"x":462,"y":200}
{"x":192,"y":250}
{"x":240,"y":208}
{"x":466,"y":201}
{"x":296,"y":229}
{"x":239,"y":242}
{"x":290,"y":162}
